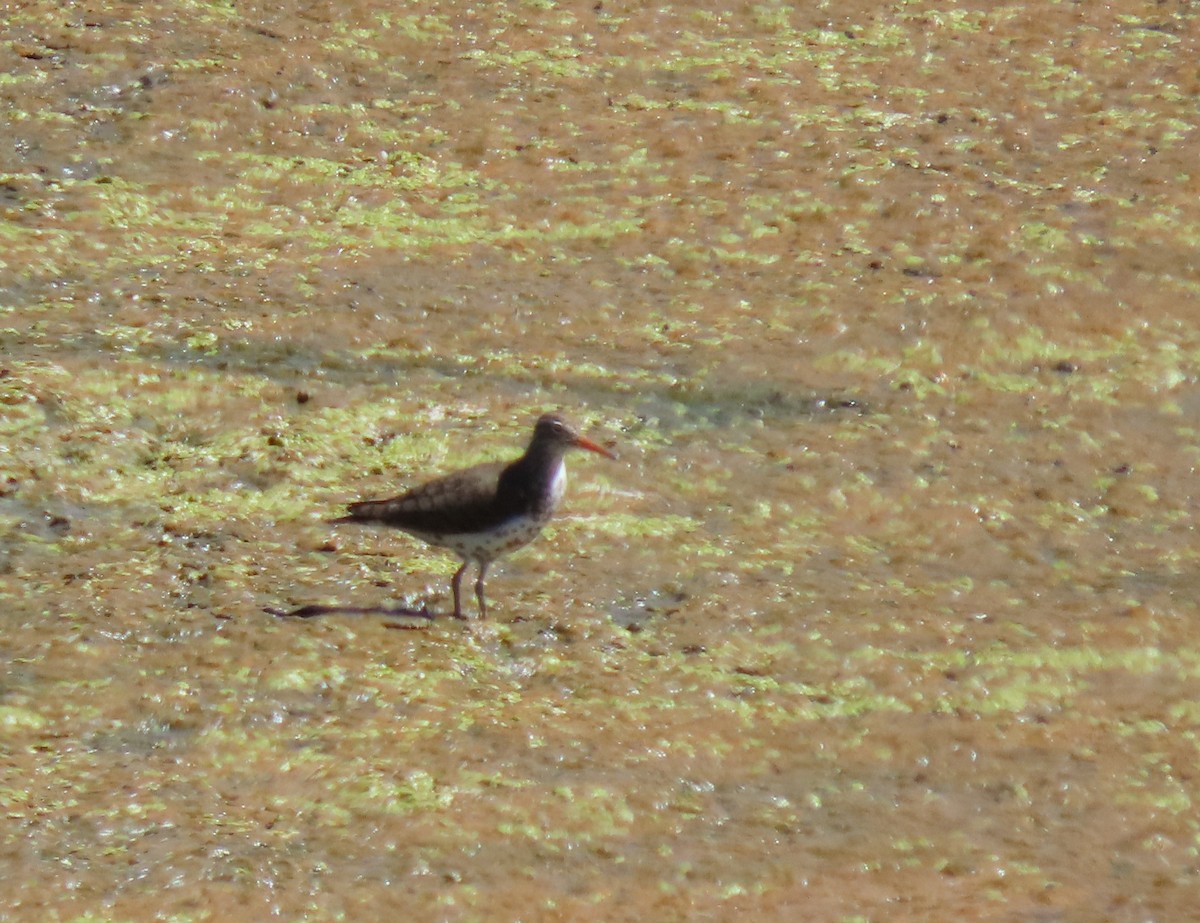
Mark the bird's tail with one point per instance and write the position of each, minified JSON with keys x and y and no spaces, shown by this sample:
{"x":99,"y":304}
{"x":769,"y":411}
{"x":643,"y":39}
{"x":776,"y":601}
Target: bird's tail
{"x":365,"y":511}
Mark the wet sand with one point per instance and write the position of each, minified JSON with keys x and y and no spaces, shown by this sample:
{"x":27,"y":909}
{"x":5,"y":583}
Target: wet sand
{"x":886,"y":611}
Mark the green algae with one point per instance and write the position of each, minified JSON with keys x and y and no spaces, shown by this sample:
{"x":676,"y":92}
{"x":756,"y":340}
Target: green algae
{"x":840,"y":613}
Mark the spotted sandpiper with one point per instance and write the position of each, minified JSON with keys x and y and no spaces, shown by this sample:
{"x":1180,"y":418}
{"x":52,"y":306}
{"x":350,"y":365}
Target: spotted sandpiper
{"x":488,"y":510}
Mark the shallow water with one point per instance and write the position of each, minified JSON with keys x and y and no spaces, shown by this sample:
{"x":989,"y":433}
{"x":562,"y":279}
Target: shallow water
{"x":885,"y":611}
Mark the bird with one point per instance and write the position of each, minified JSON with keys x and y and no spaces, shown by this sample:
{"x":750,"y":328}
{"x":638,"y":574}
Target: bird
{"x":487,"y":510}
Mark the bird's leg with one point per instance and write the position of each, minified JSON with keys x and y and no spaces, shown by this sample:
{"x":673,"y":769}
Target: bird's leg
{"x":456,"y":585}
{"x":479,"y":589}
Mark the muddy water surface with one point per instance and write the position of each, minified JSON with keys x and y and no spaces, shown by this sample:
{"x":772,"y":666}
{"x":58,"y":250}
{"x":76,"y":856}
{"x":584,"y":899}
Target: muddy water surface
{"x":885,"y":612}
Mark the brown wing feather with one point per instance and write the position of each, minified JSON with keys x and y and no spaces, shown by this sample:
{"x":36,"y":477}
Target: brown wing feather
{"x":464,"y":501}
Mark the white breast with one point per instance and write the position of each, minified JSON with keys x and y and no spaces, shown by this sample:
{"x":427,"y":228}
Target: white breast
{"x":558,"y":484}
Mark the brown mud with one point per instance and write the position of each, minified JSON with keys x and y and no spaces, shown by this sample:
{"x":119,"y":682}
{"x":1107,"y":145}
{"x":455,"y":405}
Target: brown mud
{"x":887,"y":610}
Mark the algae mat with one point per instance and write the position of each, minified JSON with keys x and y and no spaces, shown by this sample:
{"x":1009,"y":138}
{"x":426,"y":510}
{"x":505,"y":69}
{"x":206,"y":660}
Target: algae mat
{"x":886,"y":611}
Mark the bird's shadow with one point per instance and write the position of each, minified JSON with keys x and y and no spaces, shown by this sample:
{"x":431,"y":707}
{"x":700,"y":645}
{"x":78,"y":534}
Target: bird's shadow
{"x":423,"y":614}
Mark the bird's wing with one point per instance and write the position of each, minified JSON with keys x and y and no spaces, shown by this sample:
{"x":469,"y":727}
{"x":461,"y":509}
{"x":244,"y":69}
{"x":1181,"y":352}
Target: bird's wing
{"x":464,"y":501}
